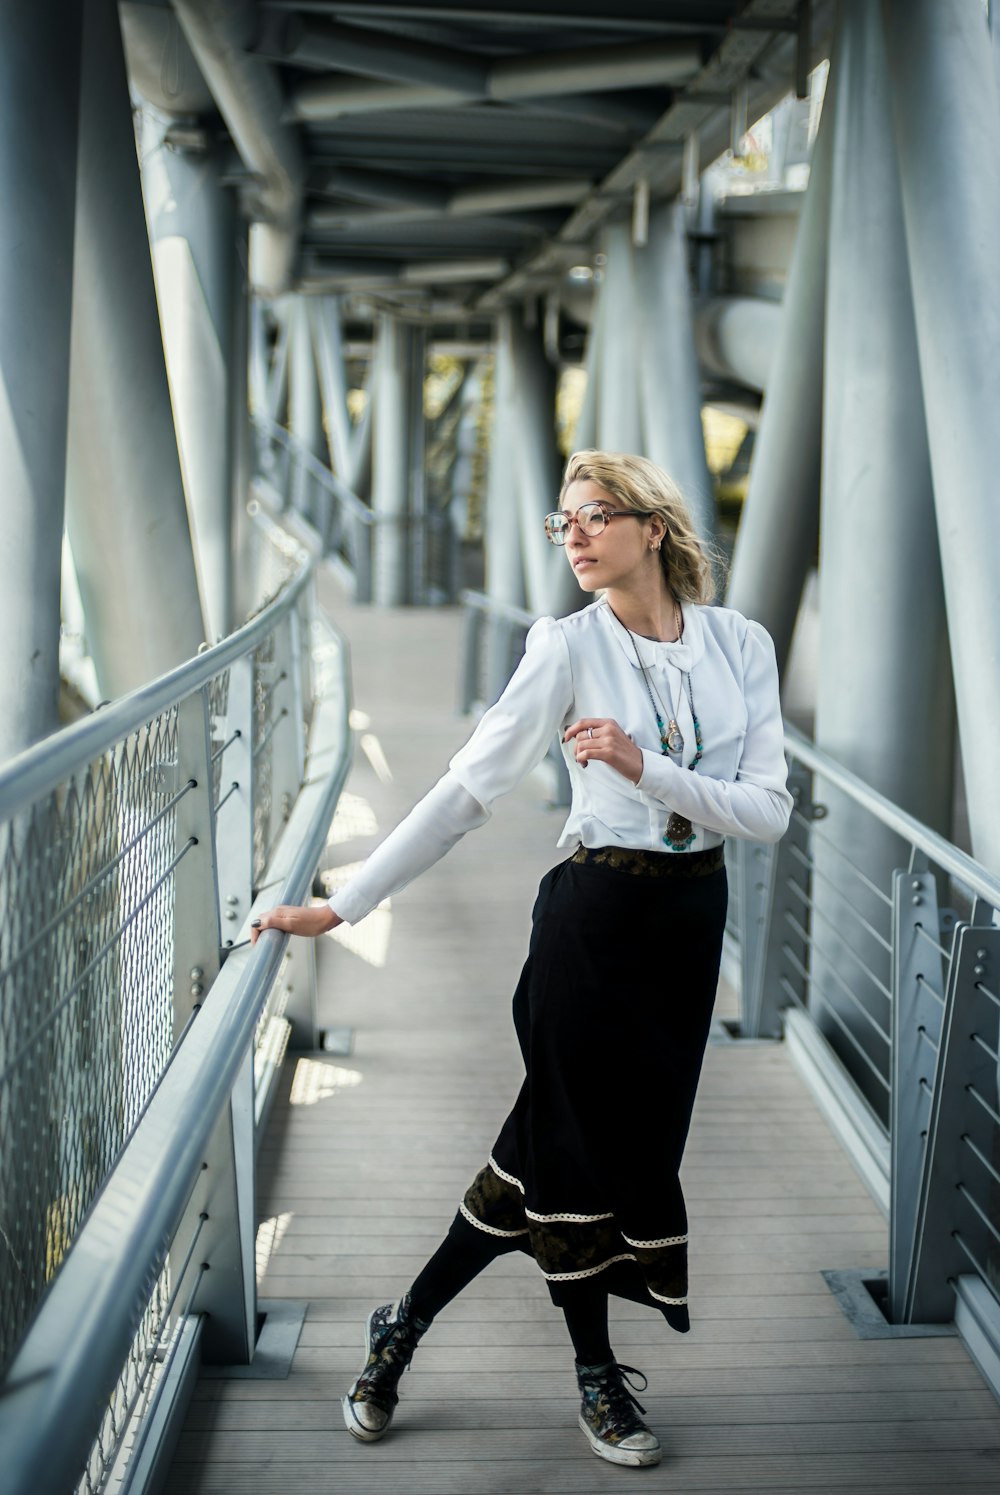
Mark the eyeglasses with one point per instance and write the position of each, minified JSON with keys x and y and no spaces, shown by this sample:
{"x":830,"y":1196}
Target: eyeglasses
{"x":592,"y":519}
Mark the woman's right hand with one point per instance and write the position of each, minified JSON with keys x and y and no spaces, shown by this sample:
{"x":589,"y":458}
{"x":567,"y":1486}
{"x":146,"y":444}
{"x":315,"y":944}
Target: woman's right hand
{"x":311,"y":920}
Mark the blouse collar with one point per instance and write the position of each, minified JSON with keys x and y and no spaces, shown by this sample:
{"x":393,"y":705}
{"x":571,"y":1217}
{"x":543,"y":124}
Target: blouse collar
{"x":653,"y":652}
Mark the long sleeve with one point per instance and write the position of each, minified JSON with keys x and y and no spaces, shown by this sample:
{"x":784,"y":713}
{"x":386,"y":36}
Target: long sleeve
{"x":430,"y":830}
{"x":757,"y":806}
{"x":511,"y":738}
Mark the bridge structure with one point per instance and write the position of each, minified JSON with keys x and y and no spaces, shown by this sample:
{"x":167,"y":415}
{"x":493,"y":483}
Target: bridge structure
{"x":303,"y":303}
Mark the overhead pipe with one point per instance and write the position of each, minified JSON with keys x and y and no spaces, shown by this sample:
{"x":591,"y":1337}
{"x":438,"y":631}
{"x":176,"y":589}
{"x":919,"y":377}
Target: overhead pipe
{"x":247,"y":93}
{"x":736,"y":338}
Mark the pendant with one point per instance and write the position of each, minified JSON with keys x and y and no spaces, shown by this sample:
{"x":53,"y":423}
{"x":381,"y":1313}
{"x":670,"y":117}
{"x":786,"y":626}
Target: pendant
{"x":674,"y":738}
{"x":679,"y":833}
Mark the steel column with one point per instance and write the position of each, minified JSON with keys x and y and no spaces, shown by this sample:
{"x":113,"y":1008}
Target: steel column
{"x":883,"y":672}
{"x":619,"y":428}
{"x":390,"y":461}
{"x":550,"y":584}
{"x":504,"y":567}
{"x":943,"y":93}
{"x":767,"y":578}
{"x":192,"y":231}
{"x":669,"y":377}
{"x":328,"y":342}
{"x":125,"y":507}
{"x":40,"y":84}
{"x":585,"y":435}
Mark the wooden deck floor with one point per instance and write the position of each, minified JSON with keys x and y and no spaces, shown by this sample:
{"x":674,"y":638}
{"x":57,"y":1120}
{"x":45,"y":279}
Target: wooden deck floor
{"x":366,"y":1156}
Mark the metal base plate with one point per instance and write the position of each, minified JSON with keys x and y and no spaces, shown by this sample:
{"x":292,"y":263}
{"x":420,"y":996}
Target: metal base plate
{"x":861,"y":1294}
{"x":281,"y":1321}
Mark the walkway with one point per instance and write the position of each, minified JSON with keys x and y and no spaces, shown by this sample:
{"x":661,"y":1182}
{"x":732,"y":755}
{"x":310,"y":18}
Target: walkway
{"x":367,"y":1154}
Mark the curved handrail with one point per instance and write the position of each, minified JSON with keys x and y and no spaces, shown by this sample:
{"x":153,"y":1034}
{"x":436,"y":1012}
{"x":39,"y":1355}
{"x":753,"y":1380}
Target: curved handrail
{"x":940,"y":851}
{"x":40,"y":768}
{"x":58,"y":1384}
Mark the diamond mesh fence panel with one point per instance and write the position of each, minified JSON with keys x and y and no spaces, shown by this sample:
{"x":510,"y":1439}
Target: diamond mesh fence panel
{"x":86,"y":1021}
{"x":87,"y":1004}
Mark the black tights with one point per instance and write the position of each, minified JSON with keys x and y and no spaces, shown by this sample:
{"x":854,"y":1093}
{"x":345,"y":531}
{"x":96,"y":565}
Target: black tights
{"x":466,"y":1251}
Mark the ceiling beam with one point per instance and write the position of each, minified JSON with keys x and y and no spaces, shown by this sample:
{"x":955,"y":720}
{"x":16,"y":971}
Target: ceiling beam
{"x":546,"y":75}
{"x":515,"y":196}
{"x":766,"y":60}
{"x":656,"y":17}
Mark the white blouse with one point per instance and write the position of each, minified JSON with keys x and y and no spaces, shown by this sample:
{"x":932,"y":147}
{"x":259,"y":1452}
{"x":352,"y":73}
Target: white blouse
{"x":585,"y":665}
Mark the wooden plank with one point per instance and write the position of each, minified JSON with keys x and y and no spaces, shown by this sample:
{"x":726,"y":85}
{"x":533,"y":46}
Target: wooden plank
{"x":536,"y":1475}
{"x":547,"y":1411}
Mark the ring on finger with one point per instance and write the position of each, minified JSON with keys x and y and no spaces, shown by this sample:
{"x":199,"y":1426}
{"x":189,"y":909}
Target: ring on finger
{"x":591,"y":731}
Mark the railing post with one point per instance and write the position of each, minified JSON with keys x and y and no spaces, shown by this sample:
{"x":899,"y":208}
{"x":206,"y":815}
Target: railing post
{"x":965,"y":1082}
{"x":472,"y":645}
{"x":235,"y":816}
{"x":785,"y":954}
{"x":225,"y":1201}
{"x":916,"y":1035}
{"x":754,"y":866}
{"x":196,"y":889}
{"x":292,"y":655}
{"x":361,"y":546}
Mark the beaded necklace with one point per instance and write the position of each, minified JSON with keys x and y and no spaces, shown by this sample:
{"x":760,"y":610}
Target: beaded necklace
{"x":680,"y":832}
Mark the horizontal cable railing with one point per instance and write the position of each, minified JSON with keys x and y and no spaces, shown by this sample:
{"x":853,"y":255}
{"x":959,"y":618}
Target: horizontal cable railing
{"x":139,"y":1035}
{"x":882,"y":937}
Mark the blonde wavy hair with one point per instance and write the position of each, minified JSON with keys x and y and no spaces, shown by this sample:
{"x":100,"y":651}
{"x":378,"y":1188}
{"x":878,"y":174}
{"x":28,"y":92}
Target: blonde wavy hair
{"x":637,"y":483}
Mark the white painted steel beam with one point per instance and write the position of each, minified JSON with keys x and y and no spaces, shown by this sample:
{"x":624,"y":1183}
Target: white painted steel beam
{"x":883,"y":681}
{"x":390,"y":461}
{"x":766,"y":579}
{"x":377,"y":54}
{"x":943,"y":91}
{"x":669,"y":378}
{"x":41,"y":85}
{"x":619,"y":425}
{"x":539,"y":76}
{"x":502,"y":538}
{"x":328,"y":343}
{"x":193,"y":234}
{"x":125,"y":506}
{"x":550,"y":585}
{"x":249,"y":99}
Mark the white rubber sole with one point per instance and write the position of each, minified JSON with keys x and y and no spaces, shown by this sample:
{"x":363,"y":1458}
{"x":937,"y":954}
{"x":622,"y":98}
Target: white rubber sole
{"x":615,"y":1454}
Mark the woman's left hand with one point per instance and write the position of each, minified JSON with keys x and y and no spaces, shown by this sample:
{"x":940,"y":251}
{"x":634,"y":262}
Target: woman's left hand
{"x":601,"y":738}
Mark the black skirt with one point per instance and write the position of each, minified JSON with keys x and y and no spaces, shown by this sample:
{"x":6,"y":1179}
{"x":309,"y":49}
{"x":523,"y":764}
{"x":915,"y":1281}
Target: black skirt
{"x":612,"y":1012}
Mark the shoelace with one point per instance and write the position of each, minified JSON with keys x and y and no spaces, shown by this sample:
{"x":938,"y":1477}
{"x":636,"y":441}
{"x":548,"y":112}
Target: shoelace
{"x":615,"y":1386}
{"x":620,"y":1387}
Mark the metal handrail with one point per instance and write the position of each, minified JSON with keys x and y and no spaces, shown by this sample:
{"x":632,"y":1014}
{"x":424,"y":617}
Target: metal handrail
{"x":317,"y":469}
{"x":57,"y":1386}
{"x":40,"y":768}
{"x":940,"y":851}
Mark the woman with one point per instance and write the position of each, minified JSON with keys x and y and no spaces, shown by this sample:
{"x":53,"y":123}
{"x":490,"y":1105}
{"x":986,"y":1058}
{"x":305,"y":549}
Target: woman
{"x":672,"y":732}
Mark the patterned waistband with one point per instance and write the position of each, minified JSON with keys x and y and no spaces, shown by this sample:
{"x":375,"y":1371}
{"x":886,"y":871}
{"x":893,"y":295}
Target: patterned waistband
{"x":652,"y":863}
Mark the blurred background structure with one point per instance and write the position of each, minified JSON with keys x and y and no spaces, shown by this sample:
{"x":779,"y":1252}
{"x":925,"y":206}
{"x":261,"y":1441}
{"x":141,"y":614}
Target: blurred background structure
{"x":319,"y":294}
